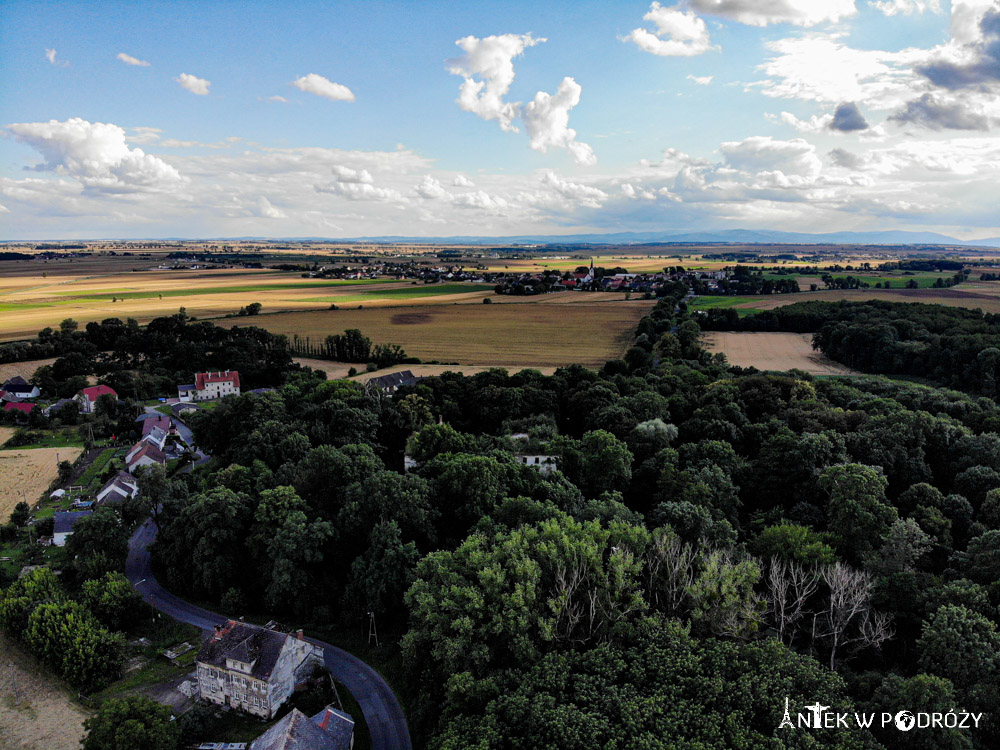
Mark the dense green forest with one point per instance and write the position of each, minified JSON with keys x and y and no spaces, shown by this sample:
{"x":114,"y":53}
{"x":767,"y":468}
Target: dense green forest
{"x":714,"y":541}
{"x":951,"y":346}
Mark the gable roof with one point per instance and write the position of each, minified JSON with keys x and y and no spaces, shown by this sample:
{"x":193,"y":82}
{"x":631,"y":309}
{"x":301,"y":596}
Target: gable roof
{"x":148,"y":450}
{"x":201,"y":378}
{"x":65,"y":520}
{"x":298,"y":732}
{"x":123,"y":482}
{"x":394,"y":379}
{"x":61,"y":403}
{"x":185,"y":406}
{"x":96,"y":391}
{"x":18,"y":406}
{"x":250,"y":644}
{"x":17,"y":384}
{"x":337,"y":724}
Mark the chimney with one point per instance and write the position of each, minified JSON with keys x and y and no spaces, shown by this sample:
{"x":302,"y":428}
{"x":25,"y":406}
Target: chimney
{"x":299,"y":634}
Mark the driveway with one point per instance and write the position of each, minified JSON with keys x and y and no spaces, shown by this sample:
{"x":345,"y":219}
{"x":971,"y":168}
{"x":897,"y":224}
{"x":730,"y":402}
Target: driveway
{"x":383,"y":714}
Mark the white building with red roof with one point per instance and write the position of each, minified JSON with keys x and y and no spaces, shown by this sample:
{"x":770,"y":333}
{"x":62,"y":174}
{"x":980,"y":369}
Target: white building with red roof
{"x":88,"y":397}
{"x":210,"y":385}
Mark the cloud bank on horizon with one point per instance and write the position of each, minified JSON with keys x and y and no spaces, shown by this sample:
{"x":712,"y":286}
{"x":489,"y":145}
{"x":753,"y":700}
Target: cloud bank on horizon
{"x":804,"y":115}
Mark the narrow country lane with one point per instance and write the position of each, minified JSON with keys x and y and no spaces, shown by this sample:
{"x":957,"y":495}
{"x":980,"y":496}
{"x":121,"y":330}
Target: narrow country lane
{"x":382,"y":711}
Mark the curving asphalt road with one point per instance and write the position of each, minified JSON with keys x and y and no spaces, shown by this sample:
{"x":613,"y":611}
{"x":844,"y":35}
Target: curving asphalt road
{"x":382,"y":711}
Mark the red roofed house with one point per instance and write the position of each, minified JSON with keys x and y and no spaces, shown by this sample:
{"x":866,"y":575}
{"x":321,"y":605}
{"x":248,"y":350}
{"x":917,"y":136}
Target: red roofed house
{"x":210,"y":385}
{"x":19,"y":406}
{"x":144,"y":453}
{"x":88,"y":397}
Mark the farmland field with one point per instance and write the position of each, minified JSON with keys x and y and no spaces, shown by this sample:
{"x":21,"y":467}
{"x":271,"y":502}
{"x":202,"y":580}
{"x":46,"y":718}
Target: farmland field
{"x":26,"y":474}
{"x":773,"y":351}
{"x":982,"y":296}
{"x":24,"y":369}
{"x":36,"y":712}
{"x":501,"y":334}
{"x":5,"y":434}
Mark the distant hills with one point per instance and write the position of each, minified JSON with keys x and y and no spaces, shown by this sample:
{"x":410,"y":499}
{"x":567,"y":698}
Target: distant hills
{"x":723,"y":236}
{"x":732,"y":236}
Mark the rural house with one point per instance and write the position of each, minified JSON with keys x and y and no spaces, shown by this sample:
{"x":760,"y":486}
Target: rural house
{"x":144,"y":453}
{"x":88,"y":397}
{"x":64,"y":523}
{"x":330,"y":729}
{"x":52,"y":409}
{"x":210,"y":385}
{"x":121,"y":486}
{"x":252,"y":668}
{"x":392,"y":382}
{"x":20,"y":388}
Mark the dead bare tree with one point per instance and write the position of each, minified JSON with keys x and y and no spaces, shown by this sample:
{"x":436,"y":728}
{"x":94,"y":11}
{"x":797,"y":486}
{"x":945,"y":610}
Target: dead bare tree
{"x":790,"y":586}
{"x":847,"y":620}
{"x":670,"y":571}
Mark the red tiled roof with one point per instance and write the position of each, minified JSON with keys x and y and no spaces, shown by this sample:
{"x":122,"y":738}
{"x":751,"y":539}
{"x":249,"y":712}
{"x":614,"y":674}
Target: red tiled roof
{"x":216,"y":377}
{"x":95,"y":391}
{"x":152,"y":452}
{"x":26,"y":408}
{"x":162,"y":422}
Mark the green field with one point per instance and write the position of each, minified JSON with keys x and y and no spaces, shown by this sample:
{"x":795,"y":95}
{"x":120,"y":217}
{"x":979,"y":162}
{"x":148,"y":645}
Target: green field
{"x":235,"y":289}
{"x":721,"y":303}
{"x":406,"y":292}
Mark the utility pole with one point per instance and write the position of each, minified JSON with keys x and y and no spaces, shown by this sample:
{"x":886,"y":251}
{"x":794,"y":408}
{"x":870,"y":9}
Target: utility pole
{"x":372,"y":632}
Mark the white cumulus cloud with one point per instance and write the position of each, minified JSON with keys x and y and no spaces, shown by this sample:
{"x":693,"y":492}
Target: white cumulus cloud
{"x":96,"y":154}
{"x":462,"y":181}
{"x":488,"y":69}
{"x":194,"y":84}
{"x":129,"y":60}
{"x":765,"y":154}
{"x":431,"y":189}
{"x":546,"y":119}
{"x":767,"y":12}
{"x":906,"y":7}
{"x":679,"y":33}
{"x":701,"y":80}
{"x":348,"y":174}
{"x":585,"y":195}
{"x":268,"y":211}
{"x":320,"y":86}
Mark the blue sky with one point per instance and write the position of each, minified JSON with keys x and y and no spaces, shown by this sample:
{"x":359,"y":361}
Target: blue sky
{"x":348,"y":119}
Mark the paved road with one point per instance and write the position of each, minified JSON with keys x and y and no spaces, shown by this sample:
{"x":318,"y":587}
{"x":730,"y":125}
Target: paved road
{"x":382,"y":711}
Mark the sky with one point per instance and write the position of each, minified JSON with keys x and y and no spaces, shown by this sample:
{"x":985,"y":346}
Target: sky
{"x":351,"y":119}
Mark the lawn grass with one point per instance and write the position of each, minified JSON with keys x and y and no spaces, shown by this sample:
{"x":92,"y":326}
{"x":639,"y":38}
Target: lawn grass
{"x":60,"y":437}
{"x":97,"y":467}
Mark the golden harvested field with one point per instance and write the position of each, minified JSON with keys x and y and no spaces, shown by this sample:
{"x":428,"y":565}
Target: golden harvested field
{"x":26,"y":474}
{"x":36,"y":712}
{"x":24,"y":369}
{"x":773,"y":351}
{"x":424,"y":371}
{"x":28,"y":304}
{"x":6,"y":433}
{"x":333,"y":370}
{"x":501,"y":334}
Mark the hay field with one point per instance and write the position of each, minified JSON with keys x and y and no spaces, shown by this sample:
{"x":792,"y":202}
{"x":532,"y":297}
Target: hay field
{"x":6,"y":433}
{"x":26,"y":474}
{"x":773,"y":351}
{"x":24,"y":369}
{"x":36,"y":711}
{"x":29,"y":304}
{"x":501,"y":334}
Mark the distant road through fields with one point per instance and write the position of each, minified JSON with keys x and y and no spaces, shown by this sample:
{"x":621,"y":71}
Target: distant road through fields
{"x":383,"y":714}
